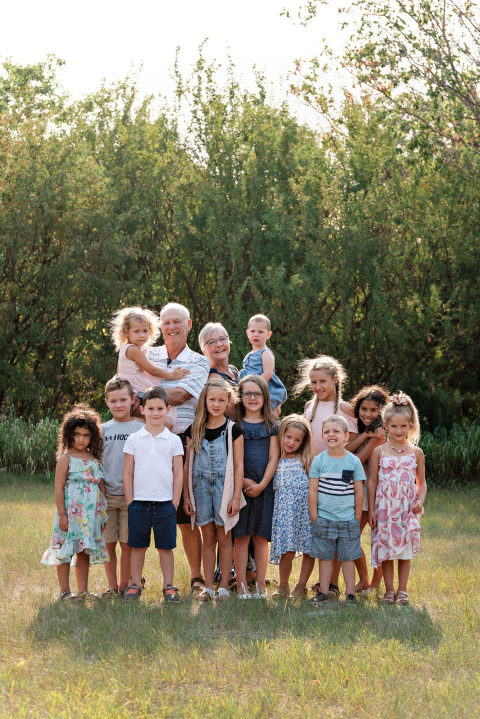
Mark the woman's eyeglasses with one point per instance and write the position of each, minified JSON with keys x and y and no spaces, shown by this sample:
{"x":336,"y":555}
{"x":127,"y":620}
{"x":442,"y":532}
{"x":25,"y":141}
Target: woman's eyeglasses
{"x":252,"y":395}
{"x":221,"y":340}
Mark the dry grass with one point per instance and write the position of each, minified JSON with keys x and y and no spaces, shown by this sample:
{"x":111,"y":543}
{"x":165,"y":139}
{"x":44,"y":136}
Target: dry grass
{"x":250,"y":659}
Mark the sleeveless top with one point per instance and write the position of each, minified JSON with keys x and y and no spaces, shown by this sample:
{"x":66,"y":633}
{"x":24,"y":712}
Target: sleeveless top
{"x":128,"y":369}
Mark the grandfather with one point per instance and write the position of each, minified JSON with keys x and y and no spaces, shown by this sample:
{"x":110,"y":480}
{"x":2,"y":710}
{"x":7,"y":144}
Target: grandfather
{"x":175,"y":324}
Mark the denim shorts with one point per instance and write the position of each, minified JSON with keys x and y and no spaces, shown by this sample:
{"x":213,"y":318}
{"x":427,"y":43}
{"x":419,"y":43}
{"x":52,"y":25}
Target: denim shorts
{"x":208,"y":493}
{"x":145,"y":516}
{"x":342,"y":538}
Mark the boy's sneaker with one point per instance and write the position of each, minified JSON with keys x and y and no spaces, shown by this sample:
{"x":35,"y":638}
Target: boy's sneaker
{"x":170,"y":594}
{"x":320,"y":597}
{"x":351,"y":599}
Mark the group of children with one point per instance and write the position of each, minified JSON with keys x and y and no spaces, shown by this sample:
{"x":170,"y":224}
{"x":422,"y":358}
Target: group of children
{"x":308,"y":483}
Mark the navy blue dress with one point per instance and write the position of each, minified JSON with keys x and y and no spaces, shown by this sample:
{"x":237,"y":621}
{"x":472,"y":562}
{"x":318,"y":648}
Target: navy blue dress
{"x":256,"y":517}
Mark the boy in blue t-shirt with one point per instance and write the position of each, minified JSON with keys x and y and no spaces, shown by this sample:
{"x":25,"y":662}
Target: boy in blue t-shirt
{"x":335,"y":499}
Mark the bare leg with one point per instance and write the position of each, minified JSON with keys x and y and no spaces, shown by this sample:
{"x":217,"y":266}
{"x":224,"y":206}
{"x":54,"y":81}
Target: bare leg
{"x":240,"y":552}
{"x":361,"y":563}
{"x":387,"y":567}
{"x":137,"y":561}
{"x":376,"y":577}
{"x":81,"y":571}
{"x":403,"y":574}
{"x":348,"y":570}
{"x":209,"y":544}
{"x":226,"y":555}
{"x":111,"y":566}
{"x":335,"y":571}
{"x":63,"y":574}
{"x":285,"y":566}
{"x":261,"y":560}
{"x":325,"y":574}
{"x":192,"y":544}
{"x":167,"y":564}
{"x":306,"y":569}
{"x":125,"y":554}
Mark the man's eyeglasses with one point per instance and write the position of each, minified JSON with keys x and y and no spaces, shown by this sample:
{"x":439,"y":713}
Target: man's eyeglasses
{"x":221,"y":340}
{"x":252,"y":395}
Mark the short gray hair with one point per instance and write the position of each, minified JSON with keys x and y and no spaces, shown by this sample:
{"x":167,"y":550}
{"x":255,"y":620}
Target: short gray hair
{"x":206,"y":331}
{"x":175,"y":306}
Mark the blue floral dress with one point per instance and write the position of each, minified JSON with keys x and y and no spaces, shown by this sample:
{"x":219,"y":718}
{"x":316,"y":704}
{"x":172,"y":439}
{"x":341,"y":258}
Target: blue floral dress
{"x":291,"y":527}
{"x":86,"y":509}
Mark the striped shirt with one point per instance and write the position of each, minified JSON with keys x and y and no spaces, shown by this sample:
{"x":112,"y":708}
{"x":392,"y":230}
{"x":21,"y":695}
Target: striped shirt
{"x":336,"y":475}
{"x":193,"y":383}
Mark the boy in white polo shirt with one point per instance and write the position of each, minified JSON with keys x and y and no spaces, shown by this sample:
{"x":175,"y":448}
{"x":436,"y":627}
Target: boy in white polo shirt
{"x":152,"y":480}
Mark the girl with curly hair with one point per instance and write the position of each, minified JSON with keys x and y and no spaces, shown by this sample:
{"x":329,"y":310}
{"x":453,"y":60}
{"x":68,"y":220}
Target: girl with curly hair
{"x":77,"y":537}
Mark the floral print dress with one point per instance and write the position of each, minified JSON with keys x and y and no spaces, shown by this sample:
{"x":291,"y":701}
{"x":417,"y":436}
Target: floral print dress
{"x":292,"y":529}
{"x":397,"y":525}
{"x":86,"y":509}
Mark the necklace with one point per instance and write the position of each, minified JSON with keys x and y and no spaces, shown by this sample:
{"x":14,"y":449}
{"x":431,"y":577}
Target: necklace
{"x":398,"y":451}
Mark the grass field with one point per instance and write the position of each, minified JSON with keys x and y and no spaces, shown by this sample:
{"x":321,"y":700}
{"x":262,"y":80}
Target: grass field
{"x":240,"y":659}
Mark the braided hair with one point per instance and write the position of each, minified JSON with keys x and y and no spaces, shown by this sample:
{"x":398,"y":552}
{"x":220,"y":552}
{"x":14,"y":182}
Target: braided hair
{"x":331,"y":367}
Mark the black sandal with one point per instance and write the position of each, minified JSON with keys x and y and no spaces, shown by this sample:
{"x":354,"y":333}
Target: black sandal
{"x":135,"y":594}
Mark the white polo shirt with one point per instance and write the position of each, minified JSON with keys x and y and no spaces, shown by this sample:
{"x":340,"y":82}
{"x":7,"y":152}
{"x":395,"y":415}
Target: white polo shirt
{"x":153,"y":464}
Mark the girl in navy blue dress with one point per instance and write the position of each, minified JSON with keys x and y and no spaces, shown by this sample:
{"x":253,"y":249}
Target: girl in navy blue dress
{"x":261,"y":454}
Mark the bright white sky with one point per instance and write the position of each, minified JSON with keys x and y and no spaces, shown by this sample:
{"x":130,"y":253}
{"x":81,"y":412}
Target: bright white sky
{"x":106,"y":39}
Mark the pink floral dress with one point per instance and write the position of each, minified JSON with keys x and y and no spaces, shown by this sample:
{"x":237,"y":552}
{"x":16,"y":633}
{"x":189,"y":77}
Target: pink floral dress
{"x":86,"y":509}
{"x":397,"y":525}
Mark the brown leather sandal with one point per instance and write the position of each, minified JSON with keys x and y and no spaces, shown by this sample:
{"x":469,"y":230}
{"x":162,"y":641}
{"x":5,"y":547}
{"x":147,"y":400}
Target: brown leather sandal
{"x":197,"y":585}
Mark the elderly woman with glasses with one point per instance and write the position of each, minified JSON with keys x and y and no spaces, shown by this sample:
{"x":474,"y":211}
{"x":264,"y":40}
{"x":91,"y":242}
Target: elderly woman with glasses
{"x":215,"y":345}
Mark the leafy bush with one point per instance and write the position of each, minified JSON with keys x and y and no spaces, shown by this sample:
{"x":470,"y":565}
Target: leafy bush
{"x":452,"y":457}
{"x":27,"y":445}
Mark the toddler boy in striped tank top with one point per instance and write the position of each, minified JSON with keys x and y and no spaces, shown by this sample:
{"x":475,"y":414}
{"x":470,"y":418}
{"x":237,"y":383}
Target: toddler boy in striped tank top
{"x":335,"y":499}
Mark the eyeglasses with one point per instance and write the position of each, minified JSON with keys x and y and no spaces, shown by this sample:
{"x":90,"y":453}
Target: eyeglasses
{"x":222,"y":341}
{"x":252,"y":395}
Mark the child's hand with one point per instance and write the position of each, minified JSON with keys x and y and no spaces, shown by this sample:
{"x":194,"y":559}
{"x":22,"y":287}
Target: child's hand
{"x":179,"y":373}
{"x":233,"y":508}
{"x":247,"y":483}
{"x":372,"y":520}
{"x":187,"y":506}
{"x":417,"y":506}
{"x":63,"y":522}
{"x":253,"y":489}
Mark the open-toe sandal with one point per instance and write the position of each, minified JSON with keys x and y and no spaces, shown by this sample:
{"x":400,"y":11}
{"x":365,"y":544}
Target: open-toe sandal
{"x":401,"y":598}
{"x":206,"y":595}
{"x":197,"y":585}
{"x":389,"y":597}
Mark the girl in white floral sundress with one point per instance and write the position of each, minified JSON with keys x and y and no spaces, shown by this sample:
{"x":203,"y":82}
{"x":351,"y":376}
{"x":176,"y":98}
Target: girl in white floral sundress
{"x":291,"y":526}
{"x":396,"y":494}
{"x":81,"y":514}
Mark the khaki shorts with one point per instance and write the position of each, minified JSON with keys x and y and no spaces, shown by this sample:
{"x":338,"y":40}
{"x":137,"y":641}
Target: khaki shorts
{"x":116,"y":529}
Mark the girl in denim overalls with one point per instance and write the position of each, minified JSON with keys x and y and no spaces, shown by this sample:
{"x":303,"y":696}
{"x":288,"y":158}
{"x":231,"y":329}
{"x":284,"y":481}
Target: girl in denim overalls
{"x":213,"y":481}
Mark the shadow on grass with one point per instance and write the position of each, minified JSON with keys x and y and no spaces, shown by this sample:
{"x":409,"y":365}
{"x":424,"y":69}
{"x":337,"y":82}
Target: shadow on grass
{"x":100,"y":629}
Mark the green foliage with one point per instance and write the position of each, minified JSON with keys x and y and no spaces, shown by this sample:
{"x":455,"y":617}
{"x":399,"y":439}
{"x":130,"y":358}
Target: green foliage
{"x":352,"y":242}
{"x":29,"y":446}
{"x":452,"y":457}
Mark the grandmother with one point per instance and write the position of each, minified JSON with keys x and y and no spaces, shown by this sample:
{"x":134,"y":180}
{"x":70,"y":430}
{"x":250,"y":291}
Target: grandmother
{"x":215,"y":345}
